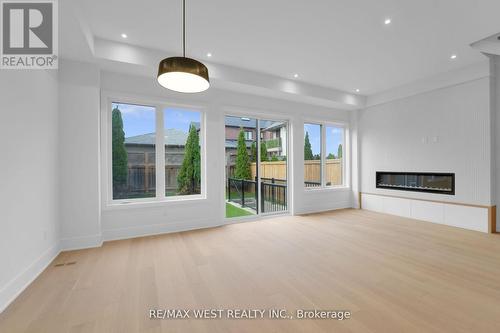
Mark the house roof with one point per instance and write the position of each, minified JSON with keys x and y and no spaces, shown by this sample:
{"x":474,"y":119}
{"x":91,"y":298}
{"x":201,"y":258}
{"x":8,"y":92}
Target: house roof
{"x":271,"y":126}
{"x":241,"y":122}
{"x":266,"y":125}
{"x":173,"y":137}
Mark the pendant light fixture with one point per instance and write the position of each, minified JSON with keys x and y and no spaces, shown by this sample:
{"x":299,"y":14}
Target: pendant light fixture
{"x":183,"y":74}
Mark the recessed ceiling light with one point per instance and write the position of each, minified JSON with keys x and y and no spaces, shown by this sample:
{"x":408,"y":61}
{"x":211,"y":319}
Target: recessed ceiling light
{"x":453,"y":56}
{"x":387,"y":21}
{"x":357,"y":90}
{"x":209,"y":54}
{"x":295,"y":75}
{"x":124,"y":36}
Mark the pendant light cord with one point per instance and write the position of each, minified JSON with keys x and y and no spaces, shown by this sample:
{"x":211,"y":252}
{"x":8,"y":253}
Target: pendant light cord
{"x":184,"y":28}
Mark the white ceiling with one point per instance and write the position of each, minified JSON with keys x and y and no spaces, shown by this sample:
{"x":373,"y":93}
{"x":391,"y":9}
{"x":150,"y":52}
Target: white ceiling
{"x":341,"y":44}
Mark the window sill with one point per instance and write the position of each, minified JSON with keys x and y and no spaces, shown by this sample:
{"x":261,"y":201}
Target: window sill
{"x":132,"y":204}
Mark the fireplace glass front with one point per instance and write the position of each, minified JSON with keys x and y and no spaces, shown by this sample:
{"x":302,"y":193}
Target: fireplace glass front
{"x":443,"y":183}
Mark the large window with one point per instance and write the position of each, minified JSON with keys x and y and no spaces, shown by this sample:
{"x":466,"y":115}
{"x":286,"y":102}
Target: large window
{"x":324,"y":163}
{"x":133,"y":147}
{"x":334,"y":166}
{"x":182,"y":152}
{"x":140,"y":136}
{"x":312,"y":155}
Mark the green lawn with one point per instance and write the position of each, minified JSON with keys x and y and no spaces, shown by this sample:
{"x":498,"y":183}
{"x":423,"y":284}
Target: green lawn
{"x":233,"y":211}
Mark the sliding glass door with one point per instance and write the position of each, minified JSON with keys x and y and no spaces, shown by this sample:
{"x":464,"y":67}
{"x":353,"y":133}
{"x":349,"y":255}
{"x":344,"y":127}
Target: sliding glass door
{"x":242,"y":193}
{"x":256,"y":166}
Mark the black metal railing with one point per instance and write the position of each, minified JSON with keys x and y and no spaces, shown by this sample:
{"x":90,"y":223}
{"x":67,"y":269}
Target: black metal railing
{"x":312,"y":184}
{"x":242,"y":192}
{"x":273,"y":196}
{"x":273,"y":193}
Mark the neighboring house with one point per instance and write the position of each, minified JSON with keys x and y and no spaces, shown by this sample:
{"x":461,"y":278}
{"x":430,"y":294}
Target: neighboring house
{"x":141,"y":159}
{"x":232,"y":130}
{"x":275,"y":138}
{"x":273,"y":133}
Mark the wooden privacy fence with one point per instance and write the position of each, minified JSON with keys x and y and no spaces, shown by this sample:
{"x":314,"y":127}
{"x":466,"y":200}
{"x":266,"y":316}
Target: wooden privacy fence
{"x":270,"y":170}
{"x":141,"y":178}
{"x":312,"y":171}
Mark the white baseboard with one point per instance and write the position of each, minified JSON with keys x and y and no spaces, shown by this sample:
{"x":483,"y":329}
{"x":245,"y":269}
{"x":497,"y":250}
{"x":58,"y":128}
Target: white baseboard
{"x":17,"y":285}
{"x":157,"y":229}
{"x":325,"y":208}
{"x":79,"y":243}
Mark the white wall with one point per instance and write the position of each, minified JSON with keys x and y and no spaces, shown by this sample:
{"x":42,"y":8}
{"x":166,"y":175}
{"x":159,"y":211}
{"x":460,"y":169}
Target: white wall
{"x":444,"y":130}
{"x":131,"y":221}
{"x":79,"y":97}
{"x":495,"y":112}
{"x":29,"y":231}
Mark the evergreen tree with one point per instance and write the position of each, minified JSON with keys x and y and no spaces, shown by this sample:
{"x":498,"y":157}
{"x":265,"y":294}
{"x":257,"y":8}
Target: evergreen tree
{"x":119,"y":153}
{"x":189,"y":177}
{"x":308,"y":154}
{"x":253,"y":152}
{"x":263,"y":152}
{"x":242,"y":170}
{"x":339,"y":151}
{"x":330,"y":156}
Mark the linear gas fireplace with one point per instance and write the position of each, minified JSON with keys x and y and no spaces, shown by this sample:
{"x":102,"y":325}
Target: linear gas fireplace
{"x":443,"y":183}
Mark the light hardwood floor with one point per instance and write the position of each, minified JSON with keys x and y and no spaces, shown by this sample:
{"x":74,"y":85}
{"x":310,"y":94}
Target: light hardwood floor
{"x":394,"y":274}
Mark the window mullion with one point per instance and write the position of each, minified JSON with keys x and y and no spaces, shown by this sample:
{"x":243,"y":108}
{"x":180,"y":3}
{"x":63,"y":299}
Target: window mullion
{"x":257,"y":166}
{"x":160,"y":153}
{"x":345,"y":153}
{"x":323,"y":157}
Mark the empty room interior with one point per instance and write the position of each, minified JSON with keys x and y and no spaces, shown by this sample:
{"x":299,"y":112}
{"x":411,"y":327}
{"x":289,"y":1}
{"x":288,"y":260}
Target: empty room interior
{"x":249,"y":166}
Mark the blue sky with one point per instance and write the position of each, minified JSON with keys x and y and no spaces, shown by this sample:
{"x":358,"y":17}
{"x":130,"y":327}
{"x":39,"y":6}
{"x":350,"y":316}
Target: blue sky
{"x":180,"y":118}
{"x":334,"y":137}
{"x":138,"y":119}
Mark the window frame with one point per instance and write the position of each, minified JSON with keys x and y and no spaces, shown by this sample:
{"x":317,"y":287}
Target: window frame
{"x":344,"y":165}
{"x":159,"y":105}
{"x":345,"y":154}
{"x":249,"y":135}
